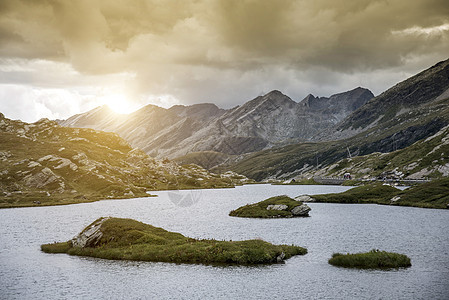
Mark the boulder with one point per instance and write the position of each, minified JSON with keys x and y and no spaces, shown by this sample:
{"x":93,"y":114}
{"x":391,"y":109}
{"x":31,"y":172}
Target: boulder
{"x":301,"y":210}
{"x":395,"y":198}
{"x":304,"y":198}
{"x":90,"y":236}
{"x":277,"y":207}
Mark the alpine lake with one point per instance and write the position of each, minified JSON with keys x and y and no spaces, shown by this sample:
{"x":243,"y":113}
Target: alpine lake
{"x":422,"y":234}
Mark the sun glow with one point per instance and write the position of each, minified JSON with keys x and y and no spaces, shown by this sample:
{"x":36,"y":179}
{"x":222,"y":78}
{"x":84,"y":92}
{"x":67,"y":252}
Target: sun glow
{"x":119,"y":103}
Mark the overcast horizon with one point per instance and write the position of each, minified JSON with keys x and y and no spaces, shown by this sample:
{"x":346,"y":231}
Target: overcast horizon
{"x":59,"y":58}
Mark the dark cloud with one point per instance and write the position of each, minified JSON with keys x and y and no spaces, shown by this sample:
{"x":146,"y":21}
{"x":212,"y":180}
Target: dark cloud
{"x":229,"y":50}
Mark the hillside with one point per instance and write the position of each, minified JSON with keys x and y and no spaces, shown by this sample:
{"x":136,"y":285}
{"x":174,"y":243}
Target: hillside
{"x":266,"y":121}
{"x":46,"y":164}
{"x":427,"y":158}
{"x":422,"y":118}
{"x":420,"y":90}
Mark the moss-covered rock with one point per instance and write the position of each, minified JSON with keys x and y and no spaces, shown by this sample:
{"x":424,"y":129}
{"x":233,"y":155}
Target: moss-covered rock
{"x":274,"y":207}
{"x":126,"y":239}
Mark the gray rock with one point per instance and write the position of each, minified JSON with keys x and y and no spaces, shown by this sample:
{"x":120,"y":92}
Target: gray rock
{"x":301,"y":210}
{"x":277,"y":207}
{"x":281,"y":257}
{"x":395,"y":198}
{"x":90,"y":236}
{"x":304,"y":198}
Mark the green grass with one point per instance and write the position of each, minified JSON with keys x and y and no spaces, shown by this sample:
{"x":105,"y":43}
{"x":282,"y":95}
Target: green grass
{"x":303,"y":181}
{"x":372,"y":193}
{"x":126,"y":239}
{"x":259,"y":210}
{"x":373,"y":259}
{"x":433,"y":194}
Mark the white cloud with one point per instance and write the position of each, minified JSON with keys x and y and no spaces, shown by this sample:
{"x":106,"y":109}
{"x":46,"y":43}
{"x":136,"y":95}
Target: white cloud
{"x":30,"y":104}
{"x":417,"y":30}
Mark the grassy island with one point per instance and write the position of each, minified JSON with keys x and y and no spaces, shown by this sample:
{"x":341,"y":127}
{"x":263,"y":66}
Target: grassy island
{"x":274,"y":207}
{"x":433,"y":194}
{"x":370,"y":193}
{"x":127,"y":239}
{"x":373,"y":259}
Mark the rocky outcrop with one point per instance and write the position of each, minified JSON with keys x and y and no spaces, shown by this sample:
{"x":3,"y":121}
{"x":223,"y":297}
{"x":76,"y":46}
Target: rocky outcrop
{"x":298,"y":211}
{"x":304,"y":198}
{"x":301,"y":210}
{"x":90,"y":236}
{"x":277,"y":207}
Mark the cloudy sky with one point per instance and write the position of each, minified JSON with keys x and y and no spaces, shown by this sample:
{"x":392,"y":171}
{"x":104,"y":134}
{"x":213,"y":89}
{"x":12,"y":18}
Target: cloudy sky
{"x":62,"y":57}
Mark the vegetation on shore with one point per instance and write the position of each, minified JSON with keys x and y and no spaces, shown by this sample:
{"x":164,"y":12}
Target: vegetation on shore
{"x":374,"y":259}
{"x":433,"y":194}
{"x":46,"y":164}
{"x":127,"y":239}
{"x":303,"y":181}
{"x":262,"y":209}
{"x":371,"y":193}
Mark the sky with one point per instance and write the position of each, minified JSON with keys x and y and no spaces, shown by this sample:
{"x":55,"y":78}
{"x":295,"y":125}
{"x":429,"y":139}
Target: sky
{"x":62,"y":57}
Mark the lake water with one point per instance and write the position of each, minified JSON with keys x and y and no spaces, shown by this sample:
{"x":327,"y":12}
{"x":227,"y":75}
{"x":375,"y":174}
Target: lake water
{"x":422,"y":234}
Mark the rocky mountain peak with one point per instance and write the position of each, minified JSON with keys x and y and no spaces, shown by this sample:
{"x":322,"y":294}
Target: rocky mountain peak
{"x":201,"y":111}
{"x":413,"y":92}
{"x":307,"y":100}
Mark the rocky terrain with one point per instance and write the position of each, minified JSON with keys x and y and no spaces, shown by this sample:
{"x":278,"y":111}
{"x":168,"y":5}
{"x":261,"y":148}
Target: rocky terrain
{"x":413,"y":110}
{"x":47,"y":164}
{"x":266,"y":121}
{"x":422,"y":90}
{"x":427,"y":158}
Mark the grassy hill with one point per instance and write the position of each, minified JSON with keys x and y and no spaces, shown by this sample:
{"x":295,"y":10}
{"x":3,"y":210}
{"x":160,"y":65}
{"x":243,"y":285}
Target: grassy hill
{"x":46,"y":164}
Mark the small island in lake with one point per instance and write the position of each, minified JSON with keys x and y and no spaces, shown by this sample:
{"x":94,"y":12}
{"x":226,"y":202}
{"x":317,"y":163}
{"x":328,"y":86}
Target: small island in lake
{"x":433,"y":194}
{"x":274,"y":207}
{"x":374,"y":259}
{"x":127,"y":239}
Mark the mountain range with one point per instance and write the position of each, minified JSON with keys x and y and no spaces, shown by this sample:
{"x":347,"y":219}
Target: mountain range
{"x":411,"y":111}
{"x":270,"y":120}
{"x":272,"y":136}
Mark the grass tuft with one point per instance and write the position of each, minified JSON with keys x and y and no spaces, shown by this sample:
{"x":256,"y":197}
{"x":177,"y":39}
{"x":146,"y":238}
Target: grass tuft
{"x":374,"y":259}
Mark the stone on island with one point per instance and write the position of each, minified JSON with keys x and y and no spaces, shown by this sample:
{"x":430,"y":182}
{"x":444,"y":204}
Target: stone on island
{"x":274,"y":207}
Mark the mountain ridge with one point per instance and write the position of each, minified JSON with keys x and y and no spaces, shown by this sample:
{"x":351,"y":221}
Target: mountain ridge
{"x":263,"y":122}
{"x":391,"y":128}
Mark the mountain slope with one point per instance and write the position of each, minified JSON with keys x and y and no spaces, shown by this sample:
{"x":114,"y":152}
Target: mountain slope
{"x":419,"y":90}
{"x":427,"y":158}
{"x":266,"y":121}
{"x":426,"y":115}
{"x":46,"y":164}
